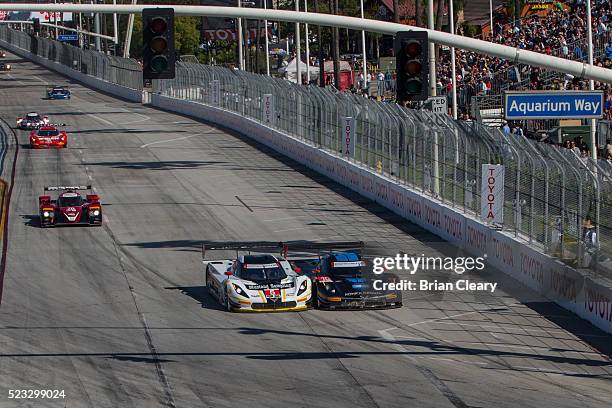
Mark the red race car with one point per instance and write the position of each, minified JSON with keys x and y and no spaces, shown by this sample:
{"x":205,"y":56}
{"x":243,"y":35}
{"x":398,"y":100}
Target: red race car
{"x":70,"y":207}
{"x":48,"y":136}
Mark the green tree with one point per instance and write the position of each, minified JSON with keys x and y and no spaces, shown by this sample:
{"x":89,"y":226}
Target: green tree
{"x":136,"y":44}
{"x":187,"y":35}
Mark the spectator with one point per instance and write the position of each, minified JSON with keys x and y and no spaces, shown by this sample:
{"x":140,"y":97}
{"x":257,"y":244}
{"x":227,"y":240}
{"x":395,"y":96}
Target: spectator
{"x":609,"y":150}
{"x":506,"y":128}
{"x":560,"y":33}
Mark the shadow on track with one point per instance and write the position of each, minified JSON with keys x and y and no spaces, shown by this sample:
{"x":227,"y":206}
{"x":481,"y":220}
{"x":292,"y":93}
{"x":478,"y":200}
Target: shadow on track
{"x":199,"y":294}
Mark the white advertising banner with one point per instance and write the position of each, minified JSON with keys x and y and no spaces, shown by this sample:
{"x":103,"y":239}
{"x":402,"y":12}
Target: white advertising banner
{"x":347,"y":129}
{"x":215,"y":92}
{"x":268,"y":109}
{"x":492,"y":194}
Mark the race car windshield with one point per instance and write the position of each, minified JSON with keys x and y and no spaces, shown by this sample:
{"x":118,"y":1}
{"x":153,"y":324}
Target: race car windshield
{"x":48,"y":132}
{"x":59,"y":90}
{"x":70,"y":201}
{"x":263,"y":273}
{"x":33,"y":116}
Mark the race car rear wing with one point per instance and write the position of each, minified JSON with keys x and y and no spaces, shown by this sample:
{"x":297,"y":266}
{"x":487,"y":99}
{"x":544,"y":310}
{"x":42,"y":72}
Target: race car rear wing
{"x":57,"y":188}
{"x":253,"y":246}
{"x":306,"y":249}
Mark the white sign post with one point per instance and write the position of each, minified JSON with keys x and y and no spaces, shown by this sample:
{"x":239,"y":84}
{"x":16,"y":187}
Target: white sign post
{"x":492,"y":194}
{"x":215,"y":92}
{"x":347,"y":128}
{"x":268,"y":114}
{"x":438,"y":104}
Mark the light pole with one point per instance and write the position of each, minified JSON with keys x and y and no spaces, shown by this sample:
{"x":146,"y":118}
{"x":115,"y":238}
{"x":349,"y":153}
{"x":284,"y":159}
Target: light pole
{"x":591,"y":82}
{"x":307,"y":46}
{"x":115,"y":30}
{"x":240,"y":56}
{"x":432,"y":50}
{"x":265,"y":2}
{"x":490,"y":18}
{"x":363,"y":48}
{"x":298,"y":49}
{"x":97,"y":30}
{"x":453,"y":64}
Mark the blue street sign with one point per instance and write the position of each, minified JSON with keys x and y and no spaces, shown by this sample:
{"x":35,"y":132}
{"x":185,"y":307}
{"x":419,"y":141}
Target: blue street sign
{"x":553,"y":105}
{"x":68,"y":37}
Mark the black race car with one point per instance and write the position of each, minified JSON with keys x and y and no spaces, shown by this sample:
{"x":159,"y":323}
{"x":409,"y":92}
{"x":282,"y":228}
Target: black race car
{"x":342,"y":280}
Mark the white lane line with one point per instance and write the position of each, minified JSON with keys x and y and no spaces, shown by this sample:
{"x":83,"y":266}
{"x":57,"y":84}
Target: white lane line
{"x":169,"y":140}
{"x":178,"y":138}
{"x":89,"y":177}
{"x":144,"y":117}
{"x":16,"y":80}
{"x":445,"y":318}
{"x":107,"y":122}
{"x":39,"y":78}
{"x":399,"y":347}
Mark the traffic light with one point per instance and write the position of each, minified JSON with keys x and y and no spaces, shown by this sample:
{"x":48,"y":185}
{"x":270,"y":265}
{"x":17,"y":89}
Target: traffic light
{"x":158,"y":54}
{"x":412,"y":61}
{"x":36,"y":25}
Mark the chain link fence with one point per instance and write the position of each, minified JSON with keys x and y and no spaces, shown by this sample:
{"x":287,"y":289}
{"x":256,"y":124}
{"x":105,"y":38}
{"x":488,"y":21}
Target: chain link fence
{"x":549,"y":192}
{"x":121,"y":71}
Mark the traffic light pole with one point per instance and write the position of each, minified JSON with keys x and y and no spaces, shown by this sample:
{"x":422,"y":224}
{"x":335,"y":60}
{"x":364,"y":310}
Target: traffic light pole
{"x":432,"y":50}
{"x":97,"y":30}
{"x":453,"y":63}
{"x":240,"y":50}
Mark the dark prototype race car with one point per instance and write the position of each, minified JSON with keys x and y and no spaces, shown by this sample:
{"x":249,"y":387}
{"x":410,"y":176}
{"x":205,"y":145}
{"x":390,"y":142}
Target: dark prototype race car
{"x":70,"y":207}
{"x":58,"y":92}
{"x":5,"y":67}
{"x":343,"y":280}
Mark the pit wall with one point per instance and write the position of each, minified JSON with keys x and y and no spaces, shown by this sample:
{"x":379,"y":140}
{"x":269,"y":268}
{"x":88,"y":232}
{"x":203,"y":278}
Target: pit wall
{"x":569,"y":288}
{"x":132,"y":95}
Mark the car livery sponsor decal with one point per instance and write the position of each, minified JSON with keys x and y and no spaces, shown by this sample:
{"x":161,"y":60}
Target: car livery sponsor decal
{"x":260,"y":266}
{"x":270,"y":286}
{"x":351,"y":264}
{"x":272,"y":294}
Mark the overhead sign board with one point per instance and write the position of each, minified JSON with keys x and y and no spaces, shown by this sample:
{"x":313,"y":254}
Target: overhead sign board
{"x":68,"y":37}
{"x":553,"y":105}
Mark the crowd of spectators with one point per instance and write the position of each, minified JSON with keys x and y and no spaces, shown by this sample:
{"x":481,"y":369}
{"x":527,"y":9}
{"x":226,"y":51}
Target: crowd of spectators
{"x":561,"y":33}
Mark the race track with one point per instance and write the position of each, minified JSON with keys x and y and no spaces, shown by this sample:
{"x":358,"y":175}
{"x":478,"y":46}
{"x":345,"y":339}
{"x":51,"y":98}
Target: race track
{"x":117,"y":316}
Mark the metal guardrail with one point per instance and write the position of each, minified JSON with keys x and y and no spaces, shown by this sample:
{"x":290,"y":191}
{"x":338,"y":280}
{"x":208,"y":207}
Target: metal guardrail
{"x":121,"y":71}
{"x":549,"y":191}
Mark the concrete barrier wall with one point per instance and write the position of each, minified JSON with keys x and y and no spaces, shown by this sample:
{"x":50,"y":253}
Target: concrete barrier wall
{"x":91,"y":81}
{"x":567,"y":287}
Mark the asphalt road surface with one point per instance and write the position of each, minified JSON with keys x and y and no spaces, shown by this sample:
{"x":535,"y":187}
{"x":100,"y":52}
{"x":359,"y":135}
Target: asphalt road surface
{"x":117,"y":316}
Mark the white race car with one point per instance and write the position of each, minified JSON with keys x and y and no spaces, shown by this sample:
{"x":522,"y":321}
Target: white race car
{"x":32,"y":120}
{"x":259,"y":282}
